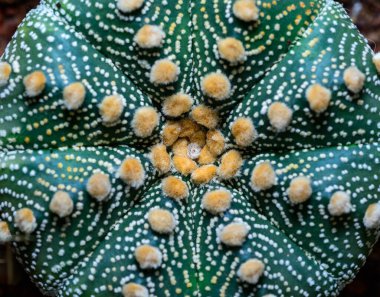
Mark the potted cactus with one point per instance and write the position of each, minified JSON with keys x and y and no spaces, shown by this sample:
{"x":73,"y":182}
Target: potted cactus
{"x":189,"y":148}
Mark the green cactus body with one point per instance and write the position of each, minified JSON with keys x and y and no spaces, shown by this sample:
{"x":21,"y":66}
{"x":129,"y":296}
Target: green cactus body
{"x":284,"y":129}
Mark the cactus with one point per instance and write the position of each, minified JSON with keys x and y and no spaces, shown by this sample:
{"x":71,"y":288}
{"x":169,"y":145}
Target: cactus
{"x":190,"y":148}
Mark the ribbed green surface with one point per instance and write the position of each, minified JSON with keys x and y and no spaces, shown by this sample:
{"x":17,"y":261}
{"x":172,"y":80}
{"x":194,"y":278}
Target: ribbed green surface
{"x":45,"y":148}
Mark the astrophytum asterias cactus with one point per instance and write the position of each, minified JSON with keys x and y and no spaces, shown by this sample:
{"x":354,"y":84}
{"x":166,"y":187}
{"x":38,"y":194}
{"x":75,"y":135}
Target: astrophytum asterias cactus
{"x":189,"y":148}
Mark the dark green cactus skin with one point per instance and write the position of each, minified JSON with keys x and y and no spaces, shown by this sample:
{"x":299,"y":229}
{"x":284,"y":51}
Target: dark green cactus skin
{"x":44,"y":148}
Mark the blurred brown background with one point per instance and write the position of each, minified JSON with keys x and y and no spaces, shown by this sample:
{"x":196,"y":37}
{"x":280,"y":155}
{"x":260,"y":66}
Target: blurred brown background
{"x":14,"y":283}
